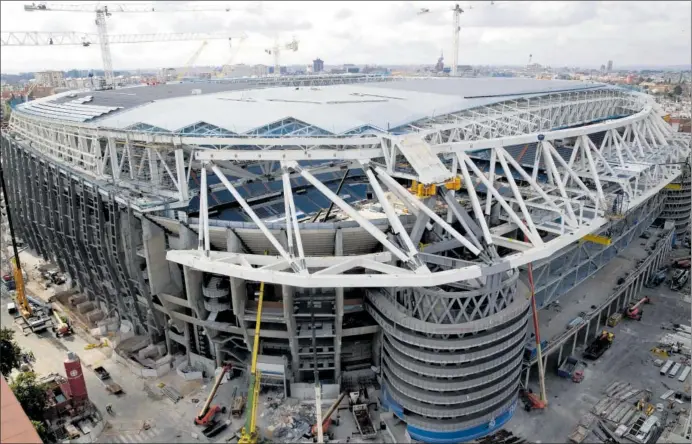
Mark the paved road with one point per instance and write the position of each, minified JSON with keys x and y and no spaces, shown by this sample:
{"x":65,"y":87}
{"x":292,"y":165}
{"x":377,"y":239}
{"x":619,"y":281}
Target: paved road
{"x":135,"y":406}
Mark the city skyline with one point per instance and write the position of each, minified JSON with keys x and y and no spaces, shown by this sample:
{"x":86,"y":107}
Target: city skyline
{"x":388,"y":33}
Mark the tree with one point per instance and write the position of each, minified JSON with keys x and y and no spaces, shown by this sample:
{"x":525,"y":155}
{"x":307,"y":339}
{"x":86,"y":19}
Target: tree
{"x":45,"y":435}
{"x":10,"y":352}
{"x":30,"y":394}
{"x":677,"y":90}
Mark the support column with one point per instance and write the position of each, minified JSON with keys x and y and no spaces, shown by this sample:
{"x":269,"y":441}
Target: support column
{"x":586,"y":335}
{"x":528,"y":372}
{"x":598,"y":321}
{"x":574,"y":343}
{"x":559,"y":356}
{"x":238,"y":288}
{"x":338,"y":321}
{"x":287,"y":297}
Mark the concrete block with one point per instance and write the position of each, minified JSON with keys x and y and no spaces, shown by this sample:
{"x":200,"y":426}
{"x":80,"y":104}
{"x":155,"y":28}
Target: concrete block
{"x":77,"y":299}
{"x":85,"y":307}
{"x":149,"y":351}
{"x":95,"y":315}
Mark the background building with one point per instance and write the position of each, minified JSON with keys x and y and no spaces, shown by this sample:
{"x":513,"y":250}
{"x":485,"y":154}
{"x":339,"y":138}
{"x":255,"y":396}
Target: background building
{"x":317,"y":65}
{"x":50,"y":78}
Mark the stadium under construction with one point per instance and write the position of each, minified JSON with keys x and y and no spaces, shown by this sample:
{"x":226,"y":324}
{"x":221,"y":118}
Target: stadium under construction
{"x":392,"y":217}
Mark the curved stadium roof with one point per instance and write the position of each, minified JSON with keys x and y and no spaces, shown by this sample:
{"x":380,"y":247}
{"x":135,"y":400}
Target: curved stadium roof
{"x":327,"y":110}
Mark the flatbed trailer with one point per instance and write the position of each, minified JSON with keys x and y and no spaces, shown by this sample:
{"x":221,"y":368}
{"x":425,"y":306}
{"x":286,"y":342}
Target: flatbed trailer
{"x":364,"y":422}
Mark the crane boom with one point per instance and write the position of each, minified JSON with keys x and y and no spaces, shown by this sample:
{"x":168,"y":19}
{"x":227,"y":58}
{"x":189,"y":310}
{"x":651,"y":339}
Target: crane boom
{"x":30,"y":38}
{"x":249,"y":432}
{"x":125,"y":7}
{"x":192,"y":60}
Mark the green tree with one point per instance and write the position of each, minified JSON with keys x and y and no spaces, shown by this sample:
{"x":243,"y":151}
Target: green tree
{"x":30,"y":394}
{"x":10,"y":352}
{"x":45,"y":435}
{"x":677,"y":90}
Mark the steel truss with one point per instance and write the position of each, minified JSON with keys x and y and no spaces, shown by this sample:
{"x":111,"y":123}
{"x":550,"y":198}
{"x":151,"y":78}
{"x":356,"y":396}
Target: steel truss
{"x":532,"y":216}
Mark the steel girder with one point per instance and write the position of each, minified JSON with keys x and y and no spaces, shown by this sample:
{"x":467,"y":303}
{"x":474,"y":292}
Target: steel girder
{"x":568,"y":268}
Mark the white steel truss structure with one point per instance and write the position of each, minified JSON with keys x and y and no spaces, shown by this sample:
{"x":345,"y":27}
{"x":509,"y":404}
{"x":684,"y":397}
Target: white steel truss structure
{"x":503,"y":203}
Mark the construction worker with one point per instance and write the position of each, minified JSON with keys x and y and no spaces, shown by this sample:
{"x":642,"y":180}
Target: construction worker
{"x":109,"y":409}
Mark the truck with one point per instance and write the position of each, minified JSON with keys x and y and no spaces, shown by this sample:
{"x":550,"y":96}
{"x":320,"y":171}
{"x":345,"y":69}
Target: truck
{"x":578,"y":373}
{"x":530,"y":349}
{"x":567,"y":367}
{"x":102,"y":373}
{"x":363,"y":421}
{"x":599,"y":345}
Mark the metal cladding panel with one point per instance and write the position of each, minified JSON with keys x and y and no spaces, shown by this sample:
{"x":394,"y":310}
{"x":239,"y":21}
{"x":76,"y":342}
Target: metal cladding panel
{"x":257,"y":242}
{"x":359,"y":241}
{"x":319,"y":242}
{"x":75,"y":378}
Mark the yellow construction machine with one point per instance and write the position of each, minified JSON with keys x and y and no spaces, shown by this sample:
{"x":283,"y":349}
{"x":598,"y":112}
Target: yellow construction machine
{"x":249,"y":434}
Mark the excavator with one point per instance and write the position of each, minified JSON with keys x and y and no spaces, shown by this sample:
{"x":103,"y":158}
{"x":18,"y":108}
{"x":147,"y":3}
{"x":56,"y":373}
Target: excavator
{"x":249,"y":433}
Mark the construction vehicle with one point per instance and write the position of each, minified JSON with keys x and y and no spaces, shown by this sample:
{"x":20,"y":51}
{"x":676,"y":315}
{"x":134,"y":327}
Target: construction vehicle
{"x":635,"y":311}
{"x":614,"y":319}
{"x":578,"y":373}
{"x":531,"y":400}
{"x":361,"y":414}
{"x":679,"y":279}
{"x":657,"y":278}
{"x":33,"y":322}
{"x":238,"y":406}
{"x":327,"y":418}
{"x":102,"y":373}
{"x":599,"y":345}
{"x":216,"y":427}
{"x":249,"y":433}
{"x":206,"y":415}
{"x":567,"y":367}
{"x":62,"y":326}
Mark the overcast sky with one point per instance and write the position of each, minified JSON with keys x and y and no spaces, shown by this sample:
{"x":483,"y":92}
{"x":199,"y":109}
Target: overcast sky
{"x":585,"y":34}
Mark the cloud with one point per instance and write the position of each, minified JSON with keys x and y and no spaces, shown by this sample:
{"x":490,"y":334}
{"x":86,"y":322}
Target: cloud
{"x":579,"y":33}
{"x":343,"y":14}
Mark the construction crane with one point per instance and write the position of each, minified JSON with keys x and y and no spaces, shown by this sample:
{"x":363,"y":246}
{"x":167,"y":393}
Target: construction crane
{"x":206,"y":415}
{"x":23,"y":303}
{"x":235,"y":49}
{"x":277,"y":49}
{"x":249,"y":433}
{"x":192,"y":61}
{"x":456,"y":11}
{"x":104,"y":11}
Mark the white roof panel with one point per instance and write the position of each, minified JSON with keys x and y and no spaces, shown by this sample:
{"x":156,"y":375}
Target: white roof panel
{"x":336,"y":109}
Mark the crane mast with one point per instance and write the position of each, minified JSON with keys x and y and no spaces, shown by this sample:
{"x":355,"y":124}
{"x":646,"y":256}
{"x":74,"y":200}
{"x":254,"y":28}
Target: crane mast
{"x":249,"y":433}
{"x":455,"y":47}
{"x":276,"y":51}
{"x":105,"y":47}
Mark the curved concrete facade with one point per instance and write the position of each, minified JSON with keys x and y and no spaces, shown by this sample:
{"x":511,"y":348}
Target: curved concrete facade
{"x":451,"y":360}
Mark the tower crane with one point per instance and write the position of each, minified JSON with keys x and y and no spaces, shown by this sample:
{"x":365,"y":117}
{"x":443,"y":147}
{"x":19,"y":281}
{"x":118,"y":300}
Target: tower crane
{"x":104,"y":11}
{"x":456,"y":11}
{"x":227,"y":67}
{"x":192,"y":61}
{"x":276,"y":51}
